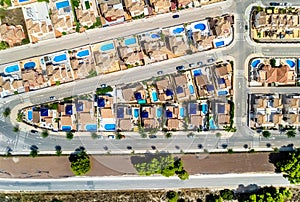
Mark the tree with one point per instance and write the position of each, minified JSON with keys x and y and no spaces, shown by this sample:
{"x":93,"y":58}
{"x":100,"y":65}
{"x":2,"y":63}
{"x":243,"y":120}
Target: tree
{"x":172,"y":196}
{"x":168,"y":135}
{"x":268,"y":194}
{"x":34,"y":153}
{"x":183,"y":174}
{"x":291,"y":133}
{"x":6,"y":112}
{"x":227,"y":194}
{"x":94,"y":135}
{"x":45,"y":134}
{"x":80,"y":162}
{"x":266,"y":134}
{"x":69,"y":135}
{"x":104,"y":90}
{"x":218,"y":135}
{"x":20,"y":117}
{"x":291,"y":167}
{"x":16,"y":129}
{"x":58,"y":150}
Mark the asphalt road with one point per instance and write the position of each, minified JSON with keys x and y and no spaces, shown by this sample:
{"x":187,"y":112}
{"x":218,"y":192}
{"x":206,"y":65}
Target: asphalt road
{"x":157,"y":182}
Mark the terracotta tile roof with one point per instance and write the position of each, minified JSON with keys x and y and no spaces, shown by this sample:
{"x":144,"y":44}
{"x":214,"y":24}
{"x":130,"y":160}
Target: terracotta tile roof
{"x":106,"y":113}
{"x":196,"y":120}
{"x":280,"y":75}
{"x":173,"y":123}
{"x":35,"y":116}
{"x":125,"y":124}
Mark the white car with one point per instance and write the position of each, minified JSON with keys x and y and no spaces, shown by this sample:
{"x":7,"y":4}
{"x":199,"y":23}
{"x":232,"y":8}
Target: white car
{"x":192,"y":65}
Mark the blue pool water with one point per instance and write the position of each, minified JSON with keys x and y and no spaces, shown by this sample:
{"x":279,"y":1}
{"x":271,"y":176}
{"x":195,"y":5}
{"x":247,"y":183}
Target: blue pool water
{"x":130,"y":41}
{"x":197,"y":72}
{"x":181,"y":112}
{"x":21,"y":1}
{"x":91,"y":127}
{"x":155,"y":36}
{"x":212,"y":124}
{"x":136,"y":113}
{"x":154,"y":96}
{"x":29,"y":115}
{"x":158,"y":112}
{"x":220,"y":43}
{"x":66,"y":128}
{"x":110,"y":126}
{"x":107,"y":47}
{"x":204,"y":109}
{"x":200,"y":26}
{"x":60,"y":58}
{"x":13,"y":68}
{"x":223,"y":92}
{"x":290,"y":63}
{"x":62,"y":4}
{"x":255,"y":63}
{"x":29,"y":65}
{"x":191,"y":88}
{"x":178,"y":30}
{"x":83,"y":53}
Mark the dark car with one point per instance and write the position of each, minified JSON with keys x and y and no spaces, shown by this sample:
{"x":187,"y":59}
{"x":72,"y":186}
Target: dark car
{"x":52,"y":98}
{"x":175,"y":16}
{"x":103,"y":85}
{"x":180,"y":68}
{"x":152,"y":136}
{"x":34,"y":131}
{"x":160,"y":72}
{"x":211,"y":60}
{"x":200,"y":63}
{"x":274,"y":4}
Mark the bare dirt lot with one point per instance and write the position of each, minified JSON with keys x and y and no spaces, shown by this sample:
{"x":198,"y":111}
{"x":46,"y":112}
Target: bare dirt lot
{"x":113,"y":165}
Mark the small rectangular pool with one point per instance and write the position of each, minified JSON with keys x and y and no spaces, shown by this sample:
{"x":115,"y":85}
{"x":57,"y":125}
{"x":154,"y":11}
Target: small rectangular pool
{"x":62,"y":4}
{"x":219,"y":44}
{"x":29,"y":115}
{"x":91,"y":127}
{"x":66,"y":128}
{"x":191,"y":88}
{"x":110,"y":126}
{"x":158,"y":112}
{"x":11,"y":69}
{"x":136,"y":113}
{"x":130,"y":41}
{"x":60,"y":58}
{"x":181,"y":112}
{"x":154,"y":96}
{"x":197,"y":72}
{"x":204,"y":108}
{"x":107,"y":47}
{"x":22,"y":1}
{"x":83,"y":53}
{"x":212,"y":124}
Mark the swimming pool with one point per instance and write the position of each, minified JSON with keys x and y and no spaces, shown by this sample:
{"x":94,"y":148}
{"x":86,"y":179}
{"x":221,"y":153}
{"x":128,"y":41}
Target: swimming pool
{"x":197,"y":72}
{"x":66,"y":128}
{"x":91,"y":127}
{"x":158,"y":112}
{"x":154,"y":96}
{"x":60,"y":58}
{"x":83,"y":53}
{"x":136,"y":113}
{"x":29,"y":65}
{"x":110,"y":126}
{"x":219,"y":44}
{"x":191,"y":88}
{"x":178,"y":30}
{"x":11,"y":69}
{"x":204,"y":108}
{"x":291,"y":63}
{"x":21,"y":1}
{"x":255,"y":63}
{"x":212,"y":124}
{"x":200,"y":26}
{"x":130,"y":41}
{"x":29,"y":115}
{"x":223,"y":92}
{"x":62,"y":4}
{"x":181,"y":112}
{"x":107,"y":47}
{"x":155,"y":36}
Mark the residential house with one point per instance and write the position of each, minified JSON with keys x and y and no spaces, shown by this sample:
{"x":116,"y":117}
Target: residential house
{"x":135,"y":7}
{"x":12,"y":35}
{"x":149,"y":117}
{"x":111,"y":11}
{"x":165,"y":90}
{"x":161,"y":6}
{"x":135,"y":93}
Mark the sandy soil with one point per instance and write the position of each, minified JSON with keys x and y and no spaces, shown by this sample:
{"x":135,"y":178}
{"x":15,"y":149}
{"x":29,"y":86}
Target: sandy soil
{"x":114,"y":165}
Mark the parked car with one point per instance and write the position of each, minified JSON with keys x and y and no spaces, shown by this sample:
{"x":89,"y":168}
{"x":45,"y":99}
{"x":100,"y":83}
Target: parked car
{"x":274,"y":4}
{"x":111,"y":137}
{"x":52,"y":97}
{"x":211,"y":60}
{"x":200,"y":63}
{"x":175,"y":16}
{"x":192,"y":65}
{"x":180,"y":68}
{"x":103,"y":85}
{"x":34,"y":131}
{"x":287,"y":4}
{"x":160,"y":72}
{"x":152,"y":136}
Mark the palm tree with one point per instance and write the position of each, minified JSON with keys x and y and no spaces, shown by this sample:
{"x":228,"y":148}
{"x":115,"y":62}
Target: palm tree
{"x":45,"y":133}
{"x":69,"y":135}
{"x":6,"y":112}
{"x":16,"y":129}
